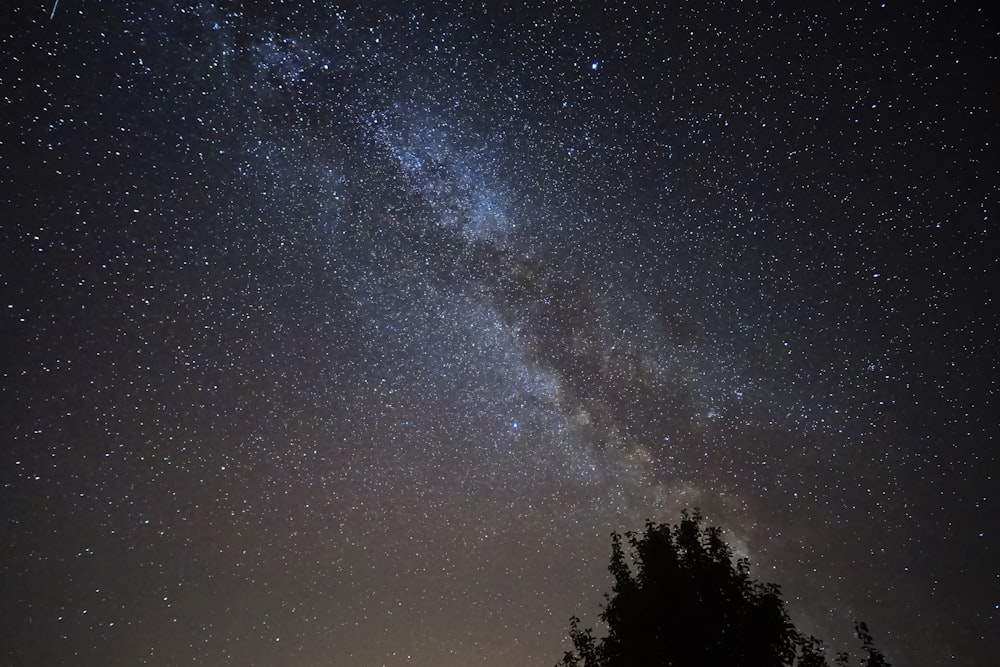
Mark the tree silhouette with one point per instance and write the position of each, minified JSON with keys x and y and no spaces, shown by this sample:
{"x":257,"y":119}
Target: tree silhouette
{"x":683,"y":602}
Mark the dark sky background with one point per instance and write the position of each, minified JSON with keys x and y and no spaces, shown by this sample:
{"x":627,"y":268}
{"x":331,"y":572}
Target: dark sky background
{"x":346,"y":336}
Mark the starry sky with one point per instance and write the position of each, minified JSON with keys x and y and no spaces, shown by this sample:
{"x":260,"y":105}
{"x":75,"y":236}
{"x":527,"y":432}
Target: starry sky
{"x":339,"y":335}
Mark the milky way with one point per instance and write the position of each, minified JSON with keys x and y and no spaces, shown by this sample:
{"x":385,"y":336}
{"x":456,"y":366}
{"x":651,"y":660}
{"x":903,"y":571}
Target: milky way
{"x":340,"y":336}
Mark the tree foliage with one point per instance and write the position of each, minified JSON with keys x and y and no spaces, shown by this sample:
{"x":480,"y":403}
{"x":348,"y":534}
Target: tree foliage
{"x":678,"y":599}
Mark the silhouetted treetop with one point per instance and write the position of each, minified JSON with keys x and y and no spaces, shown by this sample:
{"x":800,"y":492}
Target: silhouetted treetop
{"x":678,"y":599}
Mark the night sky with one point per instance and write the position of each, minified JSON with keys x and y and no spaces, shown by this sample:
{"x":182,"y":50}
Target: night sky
{"x":346,"y":336}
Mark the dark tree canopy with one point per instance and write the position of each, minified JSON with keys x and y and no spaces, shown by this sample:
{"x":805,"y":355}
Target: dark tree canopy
{"x":678,"y":599}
